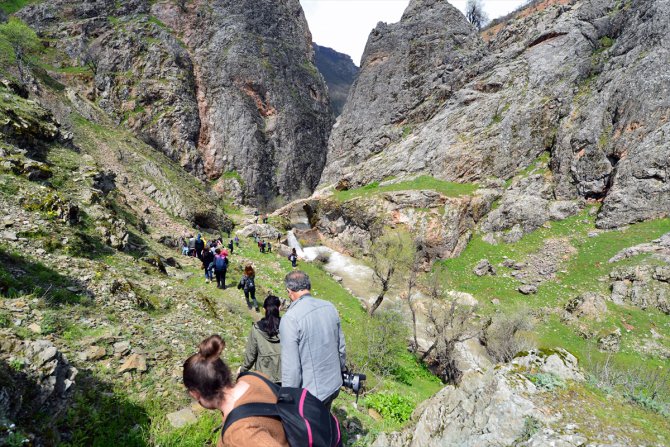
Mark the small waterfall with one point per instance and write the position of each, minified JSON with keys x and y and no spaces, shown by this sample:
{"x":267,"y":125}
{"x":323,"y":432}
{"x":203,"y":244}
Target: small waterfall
{"x":293,"y":243}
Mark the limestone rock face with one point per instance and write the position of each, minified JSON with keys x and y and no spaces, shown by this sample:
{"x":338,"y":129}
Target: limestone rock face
{"x":408,"y":69}
{"x":339,"y":72}
{"x":443,"y":224}
{"x":217,"y":86}
{"x":583,"y":82}
{"x":263,"y":106}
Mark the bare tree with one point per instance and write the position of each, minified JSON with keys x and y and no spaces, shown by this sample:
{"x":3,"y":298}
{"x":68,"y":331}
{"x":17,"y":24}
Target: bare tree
{"x":449,"y":323}
{"x":391,"y":253}
{"x":474,"y":12}
{"x":409,"y":296}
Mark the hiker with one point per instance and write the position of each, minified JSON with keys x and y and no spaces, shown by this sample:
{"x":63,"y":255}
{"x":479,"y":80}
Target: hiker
{"x":231,"y":246}
{"x":269,"y":244}
{"x":256,"y":213}
{"x":191,"y":246}
{"x":237,"y":241}
{"x":313,"y":354}
{"x":220,"y":268}
{"x":184,"y":246}
{"x":278,"y":238}
{"x":209,"y":380}
{"x":265,"y":218}
{"x":208,"y":264}
{"x":293,"y":257}
{"x":248,"y":285}
{"x":260,"y":246}
{"x":199,"y":245}
{"x":263,"y":246}
{"x":263,"y":351}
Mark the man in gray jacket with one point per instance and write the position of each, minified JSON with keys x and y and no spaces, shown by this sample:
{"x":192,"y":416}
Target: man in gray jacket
{"x":313,"y":354}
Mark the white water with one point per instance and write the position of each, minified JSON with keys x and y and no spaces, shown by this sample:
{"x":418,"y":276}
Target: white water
{"x":292,"y":242}
{"x":356,"y":276}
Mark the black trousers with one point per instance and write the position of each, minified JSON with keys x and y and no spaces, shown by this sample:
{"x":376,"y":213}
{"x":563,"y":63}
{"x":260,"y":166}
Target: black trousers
{"x":220,"y":278}
{"x":328,"y":401}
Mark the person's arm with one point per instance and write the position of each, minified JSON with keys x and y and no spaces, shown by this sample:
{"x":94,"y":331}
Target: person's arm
{"x":291,"y":369}
{"x":250,"y":353}
{"x":342,"y":347}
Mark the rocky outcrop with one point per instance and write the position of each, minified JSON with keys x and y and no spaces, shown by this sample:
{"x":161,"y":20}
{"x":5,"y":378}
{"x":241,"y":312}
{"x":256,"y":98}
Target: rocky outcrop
{"x":443,"y":225}
{"x":263,"y":106}
{"x":220,"y":87}
{"x":339,"y":72}
{"x":492,"y":408}
{"x":35,"y":379}
{"x":583,"y":81}
{"x":644,"y":286}
{"x":408,"y":70}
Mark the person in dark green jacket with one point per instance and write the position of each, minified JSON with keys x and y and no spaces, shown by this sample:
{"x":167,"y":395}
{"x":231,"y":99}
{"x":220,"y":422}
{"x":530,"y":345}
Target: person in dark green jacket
{"x":263,"y":351}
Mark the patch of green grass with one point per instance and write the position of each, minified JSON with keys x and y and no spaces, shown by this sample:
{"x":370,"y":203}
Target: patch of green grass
{"x":11,"y":6}
{"x":449,"y":189}
{"x":406,"y":131}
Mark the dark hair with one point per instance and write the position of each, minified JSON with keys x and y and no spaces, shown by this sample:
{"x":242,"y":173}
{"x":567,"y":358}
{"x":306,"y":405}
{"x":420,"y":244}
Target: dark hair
{"x":249,"y":270}
{"x":270,"y":323}
{"x":205,"y":372}
{"x":218,"y":251}
{"x":297,"y":280}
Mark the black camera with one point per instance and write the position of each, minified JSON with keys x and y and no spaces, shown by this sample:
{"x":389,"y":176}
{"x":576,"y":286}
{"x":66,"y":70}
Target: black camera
{"x":353,"y":381}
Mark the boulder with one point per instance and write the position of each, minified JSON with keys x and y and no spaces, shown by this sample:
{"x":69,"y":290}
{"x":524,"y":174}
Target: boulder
{"x":609,"y":341}
{"x":483,"y":268}
{"x":589,"y":305}
{"x":136,"y":362}
{"x":182,"y":418}
{"x":528,"y":289}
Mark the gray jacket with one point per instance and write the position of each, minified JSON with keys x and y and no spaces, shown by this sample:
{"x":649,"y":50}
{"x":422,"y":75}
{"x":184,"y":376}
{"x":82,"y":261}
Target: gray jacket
{"x":313,"y":354}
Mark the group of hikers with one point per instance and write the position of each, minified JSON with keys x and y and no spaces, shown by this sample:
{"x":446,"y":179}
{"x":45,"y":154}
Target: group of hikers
{"x":302,"y":352}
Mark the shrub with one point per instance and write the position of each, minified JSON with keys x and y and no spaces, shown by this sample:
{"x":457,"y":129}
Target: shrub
{"x":51,"y":323}
{"x":384,"y":343}
{"x":507,"y":335}
{"x":547,"y":381}
{"x":391,"y":406}
{"x":5,"y":319}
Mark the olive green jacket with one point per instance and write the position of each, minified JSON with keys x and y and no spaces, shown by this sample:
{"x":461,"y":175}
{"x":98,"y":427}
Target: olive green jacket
{"x":263,"y":354}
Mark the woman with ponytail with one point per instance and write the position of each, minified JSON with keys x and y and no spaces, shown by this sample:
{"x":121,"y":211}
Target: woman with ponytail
{"x":263,"y":348}
{"x":209,"y":381}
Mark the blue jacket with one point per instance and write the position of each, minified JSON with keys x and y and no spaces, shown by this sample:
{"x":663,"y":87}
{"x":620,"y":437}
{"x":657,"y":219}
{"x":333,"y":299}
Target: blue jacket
{"x":313,"y":353}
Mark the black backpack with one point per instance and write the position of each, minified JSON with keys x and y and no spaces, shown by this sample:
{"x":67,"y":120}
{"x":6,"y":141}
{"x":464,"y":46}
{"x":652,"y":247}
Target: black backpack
{"x":307,"y":422}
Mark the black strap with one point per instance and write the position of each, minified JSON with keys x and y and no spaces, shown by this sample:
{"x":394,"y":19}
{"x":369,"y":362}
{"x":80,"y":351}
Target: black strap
{"x":273,"y":386}
{"x":250,"y":410}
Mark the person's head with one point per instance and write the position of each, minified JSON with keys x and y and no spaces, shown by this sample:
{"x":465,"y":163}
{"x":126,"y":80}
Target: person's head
{"x":297,"y":284}
{"x":206,"y":376}
{"x":249,"y":270}
{"x":270,"y":323}
{"x":293,"y":251}
{"x":218,"y":251}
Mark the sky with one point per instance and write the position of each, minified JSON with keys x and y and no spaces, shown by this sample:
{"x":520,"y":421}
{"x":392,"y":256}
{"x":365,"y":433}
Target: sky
{"x":344,"y":25}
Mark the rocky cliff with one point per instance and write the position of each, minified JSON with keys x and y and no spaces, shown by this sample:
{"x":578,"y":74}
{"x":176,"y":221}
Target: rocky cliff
{"x":227,"y":88}
{"x":583,"y":82}
{"x":339,"y":71}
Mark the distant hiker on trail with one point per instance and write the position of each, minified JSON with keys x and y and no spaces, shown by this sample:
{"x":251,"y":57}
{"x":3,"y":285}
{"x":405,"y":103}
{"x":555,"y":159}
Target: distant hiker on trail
{"x":199,"y":245}
{"x":263,"y":244}
{"x":220,"y":268}
{"x":248,"y":285}
{"x":256,"y":214}
{"x":208,"y":264}
{"x":265,"y":218}
{"x":263,"y":351}
{"x":184,"y":246}
{"x":209,"y":380}
{"x":293,"y":257}
{"x":237,"y":241}
{"x":269,"y":247}
{"x":278,"y":238}
{"x":231,"y":246}
{"x":191,"y":246}
{"x":313,"y":354}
